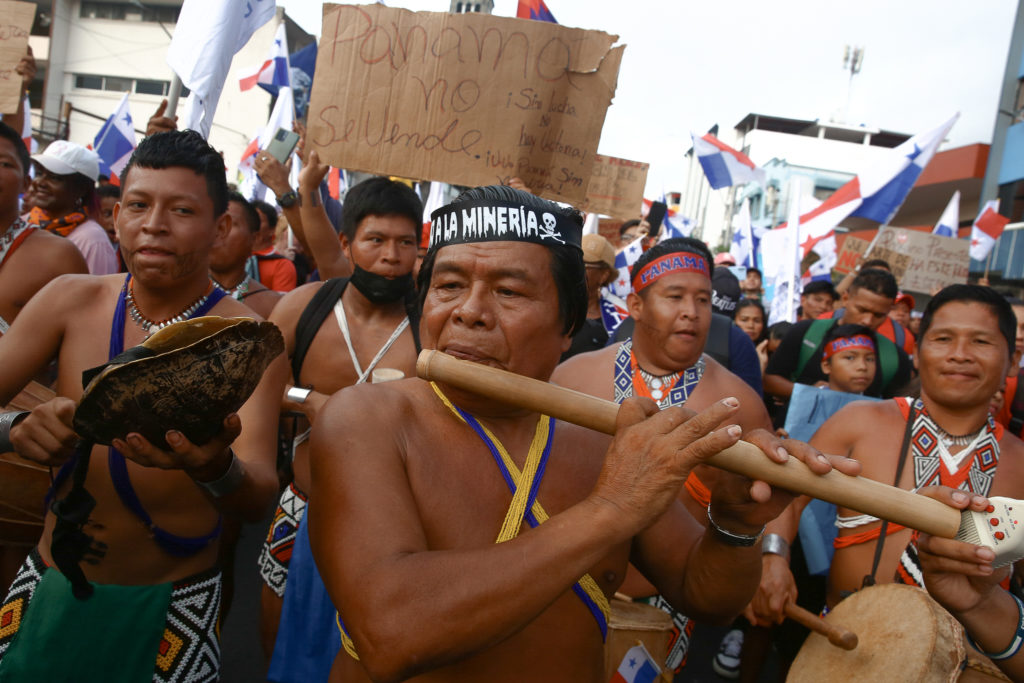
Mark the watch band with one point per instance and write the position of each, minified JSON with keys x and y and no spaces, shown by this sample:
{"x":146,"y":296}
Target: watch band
{"x":298,"y":394}
{"x":288,"y":199}
{"x":732,"y":538}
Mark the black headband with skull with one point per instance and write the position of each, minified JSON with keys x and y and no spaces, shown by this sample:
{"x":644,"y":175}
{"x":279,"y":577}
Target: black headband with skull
{"x":491,"y":220}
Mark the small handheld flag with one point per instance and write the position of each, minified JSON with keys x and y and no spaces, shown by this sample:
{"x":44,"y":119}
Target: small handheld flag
{"x":637,"y":667}
{"x":723,"y":165}
{"x":987,"y":228}
{"x":273,"y":71}
{"x":115,"y":141}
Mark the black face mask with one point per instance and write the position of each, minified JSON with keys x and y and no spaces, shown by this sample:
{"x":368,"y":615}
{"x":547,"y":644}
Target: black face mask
{"x":379,"y":289}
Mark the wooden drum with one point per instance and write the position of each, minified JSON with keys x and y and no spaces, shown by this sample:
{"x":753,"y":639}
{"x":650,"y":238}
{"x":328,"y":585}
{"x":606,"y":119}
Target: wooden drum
{"x":631,"y":622}
{"x":904,"y":636}
{"x":23,"y":483}
{"x":980,"y":669}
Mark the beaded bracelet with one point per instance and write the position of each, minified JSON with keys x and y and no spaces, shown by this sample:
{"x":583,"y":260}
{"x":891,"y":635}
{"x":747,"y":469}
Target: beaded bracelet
{"x":1015,"y":644}
{"x":734,"y":539}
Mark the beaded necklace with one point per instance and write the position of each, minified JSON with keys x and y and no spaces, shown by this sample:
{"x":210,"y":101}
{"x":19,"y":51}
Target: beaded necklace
{"x":151,"y":326}
{"x":239,"y":291}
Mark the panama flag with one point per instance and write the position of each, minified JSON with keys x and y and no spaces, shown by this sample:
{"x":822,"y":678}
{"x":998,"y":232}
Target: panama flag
{"x":115,"y":142}
{"x":949,"y":221}
{"x":275,"y":70}
{"x":881,"y":188}
{"x":637,"y":667}
{"x":742,"y":247}
{"x":622,"y":285}
{"x":675,"y":226}
{"x":723,"y":165}
{"x":535,"y":9}
{"x":880,"y":203}
{"x":613,"y":311}
{"x":987,"y":228}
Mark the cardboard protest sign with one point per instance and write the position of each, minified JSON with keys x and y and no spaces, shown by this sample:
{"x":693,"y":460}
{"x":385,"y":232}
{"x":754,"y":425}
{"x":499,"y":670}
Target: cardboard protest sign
{"x":467,"y":99}
{"x":15,"y":26}
{"x":921,"y":261}
{"x":616,"y":187}
{"x":853,"y":249}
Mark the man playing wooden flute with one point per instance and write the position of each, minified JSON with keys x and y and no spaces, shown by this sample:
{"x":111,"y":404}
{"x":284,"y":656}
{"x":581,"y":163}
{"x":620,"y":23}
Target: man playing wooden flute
{"x":463,"y":540}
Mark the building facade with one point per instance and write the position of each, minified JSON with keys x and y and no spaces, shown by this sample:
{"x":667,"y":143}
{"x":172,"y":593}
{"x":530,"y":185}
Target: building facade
{"x":90,"y":52}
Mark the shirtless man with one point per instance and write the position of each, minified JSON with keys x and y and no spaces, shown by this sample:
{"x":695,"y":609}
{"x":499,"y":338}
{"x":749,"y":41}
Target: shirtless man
{"x":29,"y":258}
{"x":965,"y":351}
{"x":407,"y":507}
{"x":64,"y":196}
{"x":232,"y":251}
{"x":961,"y":578}
{"x":369,"y":327}
{"x":155,"y":604}
{"x":671,"y":306}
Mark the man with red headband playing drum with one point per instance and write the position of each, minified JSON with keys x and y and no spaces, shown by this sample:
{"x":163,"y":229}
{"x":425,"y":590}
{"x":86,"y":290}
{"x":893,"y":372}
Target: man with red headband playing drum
{"x":946,"y":437}
{"x":665,"y":361}
{"x":136,"y":594}
{"x":464,"y":540}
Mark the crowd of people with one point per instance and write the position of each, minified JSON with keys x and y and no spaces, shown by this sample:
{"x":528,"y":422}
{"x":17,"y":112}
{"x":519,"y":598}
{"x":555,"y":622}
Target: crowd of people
{"x":425,"y":532}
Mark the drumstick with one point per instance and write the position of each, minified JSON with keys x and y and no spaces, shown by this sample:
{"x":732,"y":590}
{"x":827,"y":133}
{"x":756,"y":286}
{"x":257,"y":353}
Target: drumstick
{"x":837,"y":635}
{"x":857,"y":493}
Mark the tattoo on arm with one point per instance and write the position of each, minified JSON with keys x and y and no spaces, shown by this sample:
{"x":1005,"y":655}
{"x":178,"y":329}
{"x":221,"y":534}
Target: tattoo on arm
{"x":314,"y":198}
{"x":298,"y":200}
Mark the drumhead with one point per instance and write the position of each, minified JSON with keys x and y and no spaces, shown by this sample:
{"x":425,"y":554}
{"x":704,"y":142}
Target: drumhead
{"x":903,"y":635}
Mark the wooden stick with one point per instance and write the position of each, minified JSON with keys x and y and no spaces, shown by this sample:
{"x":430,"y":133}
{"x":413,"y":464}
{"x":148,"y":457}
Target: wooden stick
{"x":857,"y":493}
{"x":837,"y":635}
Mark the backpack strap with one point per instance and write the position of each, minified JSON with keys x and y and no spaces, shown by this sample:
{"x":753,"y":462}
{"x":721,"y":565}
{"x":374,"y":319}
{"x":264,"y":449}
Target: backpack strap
{"x":869,"y":579}
{"x":313,"y":316}
{"x":888,"y":359}
{"x":899,"y":334}
{"x":717,"y":343}
{"x":812,"y":340}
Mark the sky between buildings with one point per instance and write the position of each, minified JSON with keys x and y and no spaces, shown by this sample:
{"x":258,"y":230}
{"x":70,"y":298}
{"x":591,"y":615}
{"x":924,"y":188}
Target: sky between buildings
{"x":690,"y":64}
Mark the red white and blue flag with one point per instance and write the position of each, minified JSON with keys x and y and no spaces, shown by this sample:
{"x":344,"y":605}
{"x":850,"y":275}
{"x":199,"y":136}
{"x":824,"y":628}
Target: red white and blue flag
{"x":949,"y":221}
{"x":884,"y":189}
{"x":742,"y":246}
{"x":535,"y":9}
{"x":987,"y":228}
{"x":623,"y":284}
{"x":613,"y":311}
{"x":723,"y":165}
{"x":115,"y":142}
{"x":637,"y":667}
{"x":275,"y":70}
{"x":876,"y":193}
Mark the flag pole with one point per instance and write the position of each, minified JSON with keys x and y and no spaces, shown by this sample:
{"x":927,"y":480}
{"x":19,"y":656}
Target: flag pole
{"x":172,"y":96}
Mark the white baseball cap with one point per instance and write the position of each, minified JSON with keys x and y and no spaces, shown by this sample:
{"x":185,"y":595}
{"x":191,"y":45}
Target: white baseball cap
{"x":64,"y":158}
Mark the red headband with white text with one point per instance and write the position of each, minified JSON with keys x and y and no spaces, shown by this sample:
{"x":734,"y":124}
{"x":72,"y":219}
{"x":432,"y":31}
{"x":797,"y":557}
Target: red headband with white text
{"x":857,"y":341}
{"x":679,"y":262}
